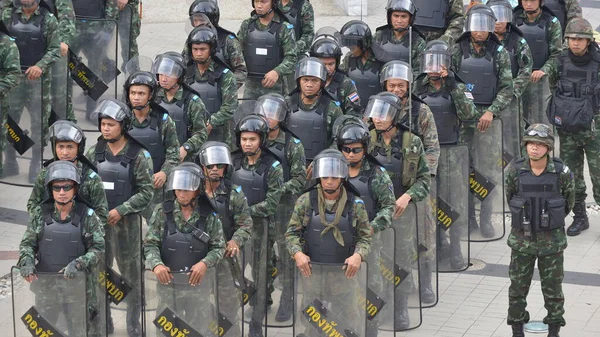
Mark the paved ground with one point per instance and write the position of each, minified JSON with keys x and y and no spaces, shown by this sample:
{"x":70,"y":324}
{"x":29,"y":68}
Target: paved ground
{"x":472,"y":303}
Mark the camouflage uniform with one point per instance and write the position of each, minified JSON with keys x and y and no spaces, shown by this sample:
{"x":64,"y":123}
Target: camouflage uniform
{"x":60,"y":95}
{"x":10,"y":76}
{"x":546,"y":247}
{"x":196,"y":113}
{"x":254,"y":88}
{"x":418,"y":46}
{"x":351,"y":101}
{"x":53,"y":298}
{"x":130,"y":23}
{"x":367,"y":65}
{"x":303,"y":42}
{"x":333,"y":111}
{"x":454,"y":27}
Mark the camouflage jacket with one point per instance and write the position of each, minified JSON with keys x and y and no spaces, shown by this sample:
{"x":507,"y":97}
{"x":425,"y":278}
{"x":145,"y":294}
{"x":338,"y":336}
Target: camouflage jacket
{"x":238,"y":206}
{"x":465,"y":108}
{"x":418,"y":46}
{"x":556,"y":39}
{"x":428,"y":133}
{"x":524,"y":64}
{"x":168,"y":133}
{"x":157,"y":228}
{"x":455,"y":22}
{"x":66,"y":20}
{"x":348,"y":97}
{"x":302,"y":213}
{"x":267,"y":207}
{"x":382,"y":192}
{"x":10,"y":65}
{"x":308,"y":25}
{"x":294,"y":151}
{"x":143,"y":180}
{"x":91,"y":227}
{"x":196,"y":113}
{"x":91,"y":190}
{"x":345,"y":65}
{"x":573,"y":10}
{"x":542,"y":243}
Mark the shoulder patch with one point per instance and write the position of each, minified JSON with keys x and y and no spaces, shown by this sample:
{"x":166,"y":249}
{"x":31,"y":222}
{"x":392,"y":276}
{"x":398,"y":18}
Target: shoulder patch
{"x":231,"y":36}
{"x":523,"y":41}
{"x":359,"y":201}
{"x":146,"y":154}
{"x":382,"y":168}
{"x":214,"y":213}
{"x":238,"y":189}
{"x":554,"y":19}
{"x":352,"y":81}
{"x":90,"y":212}
{"x":165,"y":117}
{"x":92,"y":174}
{"x":225,"y":71}
{"x":565,"y":169}
{"x":296,"y":140}
{"x":337,"y":103}
{"x":500,"y":48}
{"x":276,"y":163}
{"x":289,"y":26}
{"x":11,"y":38}
{"x":196,"y":97}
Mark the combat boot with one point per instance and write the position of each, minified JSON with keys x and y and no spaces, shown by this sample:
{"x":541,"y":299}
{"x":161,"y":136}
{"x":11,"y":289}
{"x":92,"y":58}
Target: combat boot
{"x":401,"y":319}
{"x":518,"y":330}
{"x":284,"y":313}
{"x":10,"y":167}
{"x":485,"y":221}
{"x":553,"y":330}
{"x":255,"y":329}
{"x":457,"y":262}
{"x":427,"y":294}
{"x":473,"y":225}
{"x":134,"y":328}
{"x":580,"y":220}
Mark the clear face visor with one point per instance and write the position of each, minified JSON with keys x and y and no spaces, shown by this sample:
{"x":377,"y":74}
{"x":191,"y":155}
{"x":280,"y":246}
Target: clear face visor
{"x":432,"y":62}
{"x":272,"y":109}
{"x":328,"y":32}
{"x":215,"y":155}
{"x":400,"y":5}
{"x":502,"y":13}
{"x":25,"y":3}
{"x":62,"y":171}
{"x":380,"y":109}
{"x":397,"y":71}
{"x":65,"y":132}
{"x":197,"y":20}
{"x":183,"y":180}
{"x":350,"y":41}
{"x":167,"y":67}
{"x":311,"y":68}
{"x":329,"y":168}
{"x":110,"y":109}
{"x":479,"y":22}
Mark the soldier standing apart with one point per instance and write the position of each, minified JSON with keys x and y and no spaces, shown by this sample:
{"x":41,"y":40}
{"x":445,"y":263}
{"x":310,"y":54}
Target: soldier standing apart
{"x":36,"y":34}
{"x":10,"y":68}
{"x":119,"y":159}
{"x":129,"y":23}
{"x":575,"y":111}
{"x":63,"y":215}
{"x":184,"y":105}
{"x":213,"y":81}
{"x":152,"y":127}
{"x":185,"y":235}
{"x":268,"y":40}
{"x":542,"y":31}
{"x":230,"y":202}
{"x":393,"y":42}
{"x":538,"y":233}
{"x":440,"y":19}
{"x":261,"y":177}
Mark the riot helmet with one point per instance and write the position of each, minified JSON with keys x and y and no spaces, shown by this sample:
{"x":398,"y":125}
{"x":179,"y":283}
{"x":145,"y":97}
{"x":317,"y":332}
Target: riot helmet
{"x":353,"y":130}
{"x":395,"y":70}
{"x":539,"y":133}
{"x":480,"y":18}
{"x":61,"y":170}
{"x":502,"y":10}
{"x":311,"y":66}
{"x":203,"y":34}
{"x":185,"y":176}
{"x":210,"y":8}
{"x":67,"y":131}
{"x":113,"y":109}
{"x":330,"y":163}
{"x":400,"y":6}
{"x":437,"y":53}
{"x":356,"y":33}
{"x":273,"y":106}
{"x":169,"y":64}
{"x":145,"y":78}
{"x":252,"y":123}
{"x":326,"y":45}
{"x":214,"y":153}
{"x":383,"y":106}
{"x":273,"y":8}
{"x":26,"y":3}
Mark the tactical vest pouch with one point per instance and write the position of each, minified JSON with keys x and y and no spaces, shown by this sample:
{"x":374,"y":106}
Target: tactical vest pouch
{"x":570,"y":114}
{"x":519,"y":209}
{"x":555,"y":208}
{"x":411,"y":161}
{"x":201,"y":235}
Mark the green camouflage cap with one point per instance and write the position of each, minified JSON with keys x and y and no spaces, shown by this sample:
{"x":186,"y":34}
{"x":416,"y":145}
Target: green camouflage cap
{"x":579,"y":27}
{"x":539,"y":133}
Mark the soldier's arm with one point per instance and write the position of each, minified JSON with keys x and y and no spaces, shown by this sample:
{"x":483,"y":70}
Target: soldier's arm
{"x":349,"y":93}
{"x":555,"y":42}
{"x":567,"y":187}
{"x":552,"y":73}
{"x":66,"y":21}
{"x":144,"y":182}
{"x":505,"y":84}
{"x":385,"y":199}
{"x":294,"y":236}
{"x":417,"y":50}
{"x":94,"y":232}
{"x":52,"y":45}
{"x":456,"y":22}
{"x":465,"y":108}
{"x":308,"y":28}
{"x":297,"y":162}
{"x":171,"y":145}
{"x":228,"y":99}
{"x":242,"y":32}
{"x":333,"y":113}
{"x":10,"y":62}
{"x":573,"y":10}
{"x":362,"y":227}
{"x":511,"y":183}
{"x":420,"y":189}
{"x":29,"y":243}
{"x":38,"y":193}
{"x":236,"y":59}
{"x":185,"y":54}
{"x":94,"y":188}
{"x":241,"y":216}
{"x":288,"y":43}
{"x":430,"y":138}
{"x":153,"y":239}
{"x":216,"y":244}
{"x":267,"y":207}
{"x":344,"y":64}
{"x":111,"y":10}
{"x":196,"y":113}
{"x":525,"y":62}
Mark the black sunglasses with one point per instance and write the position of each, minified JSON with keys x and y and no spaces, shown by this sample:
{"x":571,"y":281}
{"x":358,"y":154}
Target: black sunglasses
{"x":354,"y":150}
{"x":219,"y":166}
{"x":65,"y":188}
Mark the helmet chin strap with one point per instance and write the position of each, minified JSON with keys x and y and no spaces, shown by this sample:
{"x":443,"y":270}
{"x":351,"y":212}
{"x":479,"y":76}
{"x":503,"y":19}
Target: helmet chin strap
{"x":64,"y":203}
{"x":275,"y":128}
{"x":114,"y":140}
{"x":386,"y":130}
{"x":202,"y":62}
{"x":215,"y":179}
{"x":330,"y":191}
{"x":355,"y":163}
{"x":188,"y":204}
{"x":532,"y":12}
{"x":250,"y":154}
{"x":267,"y":13}
{"x":401,"y":30}
{"x":435,"y":78}
{"x":173,"y":87}
{"x":141,"y":107}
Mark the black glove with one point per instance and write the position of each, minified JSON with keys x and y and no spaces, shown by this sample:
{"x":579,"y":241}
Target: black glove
{"x":27,"y":269}
{"x":71,"y":269}
{"x":450,"y":80}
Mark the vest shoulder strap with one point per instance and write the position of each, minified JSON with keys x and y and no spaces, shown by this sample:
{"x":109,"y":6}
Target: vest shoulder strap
{"x":168,"y":207}
{"x":47,"y":211}
{"x":266,"y":162}
{"x":131,"y":153}
{"x":80,"y":210}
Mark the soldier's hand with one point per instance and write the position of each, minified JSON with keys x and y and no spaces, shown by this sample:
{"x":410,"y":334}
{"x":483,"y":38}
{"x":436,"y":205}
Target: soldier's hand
{"x":537,"y":75}
{"x":159,"y":179}
{"x":182,"y":153}
{"x":198,"y":271}
{"x":309,"y":172}
{"x":352,"y":265}
{"x":121,"y":4}
{"x":444,"y":72}
{"x":270,"y":79}
{"x":64,"y":49}
{"x":114,"y":217}
{"x":232,"y":249}
{"x":27,"y":271}
{"x":33,"y":73}
{"x":303,"y":263}
{"x":163,"y":274}
{"x":209,"y":128}
{"x":485,"y":121}
{"x":401,"y":205}
{"x":70,"y":270}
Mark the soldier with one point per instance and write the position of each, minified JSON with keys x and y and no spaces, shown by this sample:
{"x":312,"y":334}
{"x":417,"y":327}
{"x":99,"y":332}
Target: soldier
{"x":10,"y":67}
{"x":126,"y":171}
{"x":183,"y":104}
{"x":360,"y":63}
{"x":185,"y":235}
{"x":213,"y":81}
{"x":232,"y":207}
{"x":393,"y":40}
{"x":313,"y":110}
{"x":261,"y":177}
{"x":538,"y":221}
{"x":484,"y":65}
{"x":230,"y":49}
{"x":29,"y":22}
{"x":269,"y":49}
{"x":542,"y":31}
{"x":129,"y":28}
{"x":402,"y":154}
{"x":440,"y":20}
{"x":154,"y":129}
{"x":329,"y":225}
{"x":574,"y":110}
{"x":63,"y":235}
{"x":326,"y":47}
{"x":289,"y":151}
{"x":68,"y":143}
{"x":564,"y":10}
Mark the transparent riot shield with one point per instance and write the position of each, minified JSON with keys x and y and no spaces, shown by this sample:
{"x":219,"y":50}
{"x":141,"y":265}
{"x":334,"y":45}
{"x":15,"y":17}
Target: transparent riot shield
{"x":330,"y":304}
{"x":452,"y":208}
{"x":512,"y":130}
{"x":486,"y":183}
{"x":26,"y":125}
{"x":60,"y":94}
{"x":407,"y":308}
{"x":381,"y":284}
{"x":122,"y":279}
{"x":426,"y":248}
{"x":50,"y":305}
{"x":127,"y":37}
{"x":93,"y":69}
{"x":258,"y":255}
{"x":178,"y":308}
{"x":535,"y":101}
{"x":231,"y":286}
{"x":137,"y":63}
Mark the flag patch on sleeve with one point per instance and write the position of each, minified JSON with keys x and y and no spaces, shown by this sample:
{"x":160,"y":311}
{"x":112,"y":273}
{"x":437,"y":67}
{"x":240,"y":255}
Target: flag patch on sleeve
{"x":353,"y":97}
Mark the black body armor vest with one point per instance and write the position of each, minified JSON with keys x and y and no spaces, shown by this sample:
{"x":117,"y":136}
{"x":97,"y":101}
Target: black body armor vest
{"x":262,"y":50}
{"x":29,"y":37}
{"x":151,"y":136}
{"x":367,"y":81}
{"x":310,"y":126}
{"x":537,"y":36}
{"x":254,"y":183}
{"x":480,"y":73}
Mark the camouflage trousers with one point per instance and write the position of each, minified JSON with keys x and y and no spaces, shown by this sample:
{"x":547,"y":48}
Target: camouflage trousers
{"x":36,"y":99}
{"x":230,"y":298}
{"x":375,"y":280}
{"x":573,"y":148}
{"x":285,"y":265}
{"x":253,"y":88}
{"x":157,"y":198}
{"x":61,"y":93}
{"x":428,"y":224}
{"x":130,"y":24}
{"x":261,"y":261}
{"x":406,"y":248}
{"x":3,"y":140}
{"x":551,"y":276}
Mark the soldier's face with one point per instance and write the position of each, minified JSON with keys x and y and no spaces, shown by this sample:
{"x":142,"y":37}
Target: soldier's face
{"x":262,"y":6}
{"x":400,"y":19}
{"x":530,"y":5}
{"x":329,"y":183}
{"x":250,"y":141}
{"x":536,"y":151}
{"x":110,"y":128}
{"x":480,"y":36}
{"x":578,"y":45}
{"x":61,"y":195}
{"x":167,"y":82}
{"x":356,"y":51}
{"x":500,"y":28}
{"x":329,"y":65}
{"x":348,"y":151}
{"x":139,"y":95}
{"x":397,"y":87}
{"x":381,"y":124}
{"x":201,"y":52}
{"x":185,"y":197}
{"x":273,"y":123}
{"x":66,"y":150}
{"x":214,"y":172}
{"x":310,"y":85}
